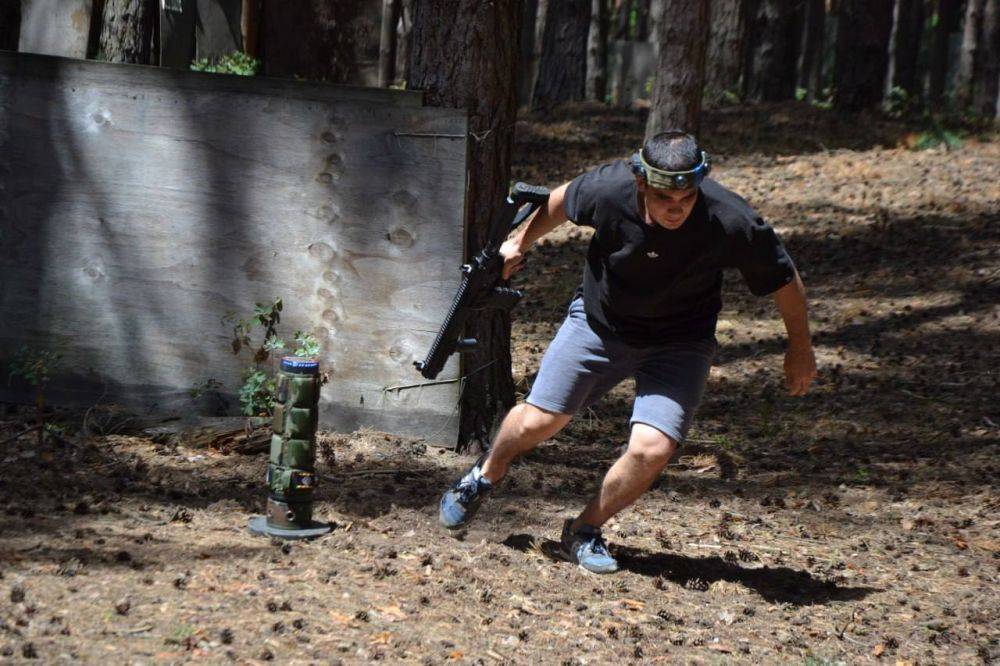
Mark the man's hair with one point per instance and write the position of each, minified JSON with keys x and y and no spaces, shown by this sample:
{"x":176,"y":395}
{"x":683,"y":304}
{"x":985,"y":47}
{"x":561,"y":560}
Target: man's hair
{"x":672,"y":150}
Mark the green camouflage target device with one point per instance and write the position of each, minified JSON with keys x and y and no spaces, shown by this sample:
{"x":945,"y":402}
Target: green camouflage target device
{"x":291,"y":470}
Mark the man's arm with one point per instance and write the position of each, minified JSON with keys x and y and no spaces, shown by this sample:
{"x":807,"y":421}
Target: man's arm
{"x":800,"y":361}
{"x":548,"y":217}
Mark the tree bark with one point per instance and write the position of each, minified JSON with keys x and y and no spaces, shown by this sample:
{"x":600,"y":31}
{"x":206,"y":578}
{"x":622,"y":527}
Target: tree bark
{"x":10,"y":24}
{"x":904,"y":49}
{"x":127,"y":29}
{"x":562,"y":70}
{"x":387,"y":43}
{"x":527,"y":58}
{"x":811,"y":49}
{"x":949,"y":14}
{"x":597,"y":51}
{"x":769,"y":70}
{"x":319,"y":40}
{"x":986,"y":79}
{"x":970,"y":51}
{"x":403,"y":29}
{"x":680,"y":76}
{"x":483,"y":80}
{"x":724,"y":59}
{"x":862,"y":53}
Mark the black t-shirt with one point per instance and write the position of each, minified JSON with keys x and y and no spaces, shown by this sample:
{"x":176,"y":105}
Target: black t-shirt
{"x":648,"y":284}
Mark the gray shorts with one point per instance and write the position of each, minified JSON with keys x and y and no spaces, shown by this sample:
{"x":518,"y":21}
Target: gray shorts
{"x":580,"y":366}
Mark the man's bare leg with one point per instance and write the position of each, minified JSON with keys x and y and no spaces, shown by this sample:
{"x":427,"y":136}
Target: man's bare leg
{"x":649,"y":451}
{"x":524,"y":428}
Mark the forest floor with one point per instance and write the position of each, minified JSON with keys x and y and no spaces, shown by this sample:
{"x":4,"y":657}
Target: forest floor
{"x":860,"y":523}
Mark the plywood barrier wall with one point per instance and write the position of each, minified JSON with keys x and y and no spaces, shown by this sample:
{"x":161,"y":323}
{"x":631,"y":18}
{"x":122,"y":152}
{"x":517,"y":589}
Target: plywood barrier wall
{"x":138,"y":206}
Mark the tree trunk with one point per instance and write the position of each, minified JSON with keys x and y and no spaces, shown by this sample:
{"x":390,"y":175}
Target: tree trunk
{"x":527,"y":58}
{"x":484,"y":81}
{"x":403,"y":29}
{"x":680,"y":76}
{"x":250,"y":27}
{"x":968,"y":60}
{"x":862,"y":55}
{"x":812,"y":48}
{"x":387,"y":43}
{"x":769,"y":70}
{"x":725,"y":48}
{"x":949,"y":14}
{"x":641,"y":20}
{"x":562,"y":70}
{"x":904,"y":47}
{"x":10,"y":24}
{"x":127,"y":29}
{"x":623,"y":14}
{"x":319,"y":40}
{"x":987,"y":74}
{"x":597,"y":51}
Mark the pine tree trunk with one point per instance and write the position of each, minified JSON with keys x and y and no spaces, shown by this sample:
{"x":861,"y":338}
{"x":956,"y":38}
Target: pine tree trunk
{"x":862,"y":54}
{"x":769,"y":70}
{"x":127,"y":30}
{"x":562,"y":70}
{"x":949,"y":15}
{"x":680,"y":76}
{"x":484,"y":81}
{"x":527,"y":58}
{"x":387,"y":43}
{"x":10,"y":24}
{"x":725,"y":48}
{"x":970,"y":50}
{"x":811,"y":49}
{"x":403,"y":29}
{"x":904,"y":49}
{"x":597,"y":51}
{"x":314,"y":39}
{"x":987,"y":74}
{"x":642,"y":19}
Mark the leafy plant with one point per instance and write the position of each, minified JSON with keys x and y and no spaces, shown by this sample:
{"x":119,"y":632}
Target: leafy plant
{"x":36,"y":366}
{"x":237,"y":62}
{"x":307,"y":344}
{"x":257,"y":391}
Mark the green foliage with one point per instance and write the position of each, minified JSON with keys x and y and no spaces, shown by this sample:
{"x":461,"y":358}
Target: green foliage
{"x":236,"y":62}
{"x":257,"y":392}
{"x":936,"y":135}
{"x":307,"y":344}
{"x":800,"y":94}
{"x":861,"y":476}
{"x":898,"y":103}
{"x":34,"y":365}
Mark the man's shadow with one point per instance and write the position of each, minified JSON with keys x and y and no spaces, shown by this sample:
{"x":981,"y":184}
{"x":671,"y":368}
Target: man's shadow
{"x":774,"y":584}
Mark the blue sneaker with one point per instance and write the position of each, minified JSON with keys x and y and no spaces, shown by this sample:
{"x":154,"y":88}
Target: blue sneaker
{"x":461,"y":502}
{"x":586,"y":547}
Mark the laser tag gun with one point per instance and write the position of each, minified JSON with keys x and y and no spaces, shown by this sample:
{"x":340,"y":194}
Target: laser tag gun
{"x":483,"y":287}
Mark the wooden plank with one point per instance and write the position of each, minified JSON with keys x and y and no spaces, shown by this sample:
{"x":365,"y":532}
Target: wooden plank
{"x":217,"y":32}
{"x":139,"y":206}
{"x":55,"y":27}
{"x":143,"y":76}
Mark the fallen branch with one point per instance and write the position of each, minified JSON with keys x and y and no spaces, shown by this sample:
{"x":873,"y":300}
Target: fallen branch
{"x":21,"y":434}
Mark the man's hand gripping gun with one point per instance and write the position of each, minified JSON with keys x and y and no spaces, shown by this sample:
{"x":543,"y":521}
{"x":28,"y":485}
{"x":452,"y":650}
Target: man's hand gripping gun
{"x":482,"y":287}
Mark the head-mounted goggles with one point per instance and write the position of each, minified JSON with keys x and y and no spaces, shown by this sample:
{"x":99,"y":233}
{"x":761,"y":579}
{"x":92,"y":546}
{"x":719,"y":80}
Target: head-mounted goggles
{"x":671,"y":180}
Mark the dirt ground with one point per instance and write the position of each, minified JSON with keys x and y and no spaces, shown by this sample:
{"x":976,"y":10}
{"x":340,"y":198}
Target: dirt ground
{"x":858,"y":524}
